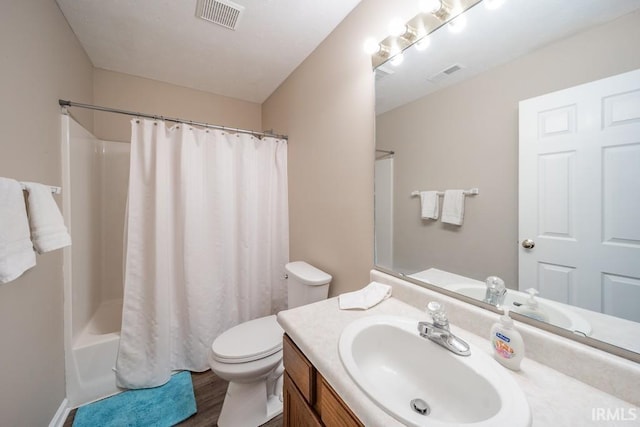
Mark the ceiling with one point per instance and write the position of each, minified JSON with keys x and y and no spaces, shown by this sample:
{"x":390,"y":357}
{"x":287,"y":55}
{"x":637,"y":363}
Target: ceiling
{"x":164,"y":40}
{"x":490,"y":38}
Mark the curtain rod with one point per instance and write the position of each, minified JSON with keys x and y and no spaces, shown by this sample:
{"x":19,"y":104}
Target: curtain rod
{"x":64,"y":103}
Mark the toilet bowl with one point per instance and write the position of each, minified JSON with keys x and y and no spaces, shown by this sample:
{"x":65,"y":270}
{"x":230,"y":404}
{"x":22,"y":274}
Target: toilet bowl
{"x":249,"y":355}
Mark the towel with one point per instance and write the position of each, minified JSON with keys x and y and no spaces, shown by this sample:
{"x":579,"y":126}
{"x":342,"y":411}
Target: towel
{"x":16,"y":250}
{"x":430,"y":204}
{"x":47,"y":226}
{"x":453,"y":207}
{"x":366,"y":297}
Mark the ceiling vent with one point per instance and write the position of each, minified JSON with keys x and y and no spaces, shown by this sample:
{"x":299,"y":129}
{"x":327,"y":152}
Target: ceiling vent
{"x":221,"y":12}
{"x":447,"y":72}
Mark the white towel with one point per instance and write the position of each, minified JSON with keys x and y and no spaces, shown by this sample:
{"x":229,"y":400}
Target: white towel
{"x":365,"y":298}
{"x":16,"y":250}
{"x":48,"y":231}
{"x":430,"y":204}
{"x":453,"y":207}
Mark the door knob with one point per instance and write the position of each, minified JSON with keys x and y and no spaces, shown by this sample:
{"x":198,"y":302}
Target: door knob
{"x":528,"y":244}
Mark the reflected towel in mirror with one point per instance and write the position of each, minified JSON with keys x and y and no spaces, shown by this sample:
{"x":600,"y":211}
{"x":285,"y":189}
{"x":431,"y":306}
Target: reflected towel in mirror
{"x":453,"y":207}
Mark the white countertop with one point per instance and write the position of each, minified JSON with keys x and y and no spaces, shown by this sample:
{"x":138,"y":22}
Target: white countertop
{"x":555,"y":399}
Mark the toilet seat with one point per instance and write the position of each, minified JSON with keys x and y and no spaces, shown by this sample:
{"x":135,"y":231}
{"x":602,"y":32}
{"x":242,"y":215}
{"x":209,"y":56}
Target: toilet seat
{"x":249,"y":341}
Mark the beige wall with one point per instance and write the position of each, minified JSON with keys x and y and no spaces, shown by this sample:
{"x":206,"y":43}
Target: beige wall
{"x":467,"y":136}
{"x":123,"y":91}
{"x":326,"y":106}
{"x":40,"y":61}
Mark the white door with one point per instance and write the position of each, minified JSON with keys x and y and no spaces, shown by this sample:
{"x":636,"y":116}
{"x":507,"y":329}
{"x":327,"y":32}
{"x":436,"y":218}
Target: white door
{"x":383,"y":196}
{"x":579,"y":195}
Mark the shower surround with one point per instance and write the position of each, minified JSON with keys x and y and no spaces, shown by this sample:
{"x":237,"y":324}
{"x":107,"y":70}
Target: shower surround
{"x":95,"y":179}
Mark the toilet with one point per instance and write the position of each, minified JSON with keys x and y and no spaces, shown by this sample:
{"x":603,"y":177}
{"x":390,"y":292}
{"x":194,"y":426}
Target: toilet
{"x":249,"y":355}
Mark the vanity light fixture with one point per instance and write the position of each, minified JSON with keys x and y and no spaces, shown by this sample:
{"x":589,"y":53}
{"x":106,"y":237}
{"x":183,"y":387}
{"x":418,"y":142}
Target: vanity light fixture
{"x":430,"y":6}
{"x":396,"y":27}
{"x":400,"y":30}
{"x":372,"y":47}
{"x":434,"y":14}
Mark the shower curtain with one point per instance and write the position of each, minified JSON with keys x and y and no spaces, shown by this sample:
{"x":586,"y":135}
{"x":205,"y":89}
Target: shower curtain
{"x":207,"y":241}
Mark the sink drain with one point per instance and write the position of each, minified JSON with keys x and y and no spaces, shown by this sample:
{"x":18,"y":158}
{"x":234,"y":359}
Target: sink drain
{"x":420,"y":406}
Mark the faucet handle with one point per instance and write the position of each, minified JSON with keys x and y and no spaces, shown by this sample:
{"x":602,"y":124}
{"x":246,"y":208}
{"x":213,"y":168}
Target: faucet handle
{"x":436,"y":310}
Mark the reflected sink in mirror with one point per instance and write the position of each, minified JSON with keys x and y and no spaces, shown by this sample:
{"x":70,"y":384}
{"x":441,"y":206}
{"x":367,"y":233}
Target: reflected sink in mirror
{"x":559,"y":314}
{"x":405,"y":374}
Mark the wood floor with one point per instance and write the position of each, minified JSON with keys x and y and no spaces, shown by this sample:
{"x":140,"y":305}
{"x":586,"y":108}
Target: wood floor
{"x":209,"y":391}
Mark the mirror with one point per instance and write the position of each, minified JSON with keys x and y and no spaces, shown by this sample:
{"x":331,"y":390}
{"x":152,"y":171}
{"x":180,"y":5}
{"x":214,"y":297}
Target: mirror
{"x":449,"y":117}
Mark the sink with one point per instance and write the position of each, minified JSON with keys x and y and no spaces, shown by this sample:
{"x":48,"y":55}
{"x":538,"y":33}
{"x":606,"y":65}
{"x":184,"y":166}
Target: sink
{"x":394,"y":366}
{"x":559,"y":314}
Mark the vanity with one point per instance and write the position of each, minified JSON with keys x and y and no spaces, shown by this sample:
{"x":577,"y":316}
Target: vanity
{"x":309,"y":400}
{"x":579,"y":387}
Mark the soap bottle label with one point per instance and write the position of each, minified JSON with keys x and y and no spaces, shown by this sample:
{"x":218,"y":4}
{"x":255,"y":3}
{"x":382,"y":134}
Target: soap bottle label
{"x":502,"y":348}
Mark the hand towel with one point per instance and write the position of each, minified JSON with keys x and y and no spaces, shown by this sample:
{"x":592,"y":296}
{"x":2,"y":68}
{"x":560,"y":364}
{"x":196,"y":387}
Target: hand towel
{"x":365,"y":298}
{"x":16,"y":249}
{"x":48,"y":231}
{"x":430,"y":204}
{"x":453,"y":207}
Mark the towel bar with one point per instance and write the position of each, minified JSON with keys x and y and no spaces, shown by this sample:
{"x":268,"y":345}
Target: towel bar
{"x":470,"y":192}
{"x":54,"y":190}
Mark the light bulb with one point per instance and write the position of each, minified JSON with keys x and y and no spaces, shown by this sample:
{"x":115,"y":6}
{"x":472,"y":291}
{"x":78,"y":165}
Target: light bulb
{"x":397,"y":59}
{"x":457,"y":24}
{"x":371,"y":46}
{"x":423,"y":43}
{"x":493,"y":4}
{"x":430,"y":6}
{"x":397,"y":27}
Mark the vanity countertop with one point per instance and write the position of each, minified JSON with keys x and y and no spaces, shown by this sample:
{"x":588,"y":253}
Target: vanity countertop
{"x":555,"y":398}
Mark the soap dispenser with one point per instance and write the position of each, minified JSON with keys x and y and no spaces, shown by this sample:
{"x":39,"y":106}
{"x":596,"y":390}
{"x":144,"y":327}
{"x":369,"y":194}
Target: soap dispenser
{"x":496,"y":291}
{"x":531,"y":309}
{"x":507,"y":343}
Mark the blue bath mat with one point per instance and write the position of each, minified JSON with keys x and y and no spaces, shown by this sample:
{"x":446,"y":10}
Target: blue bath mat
{"x":162,"y":406}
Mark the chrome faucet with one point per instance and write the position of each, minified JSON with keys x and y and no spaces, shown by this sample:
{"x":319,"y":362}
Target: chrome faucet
{"x":439,"y":332}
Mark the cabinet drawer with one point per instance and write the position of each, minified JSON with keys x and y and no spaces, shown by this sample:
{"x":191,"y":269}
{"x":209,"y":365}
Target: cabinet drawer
{"x":299,"y":369}
{"x":332,"y":411}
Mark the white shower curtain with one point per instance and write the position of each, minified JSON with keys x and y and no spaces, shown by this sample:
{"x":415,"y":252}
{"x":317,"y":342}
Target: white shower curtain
{"x":207,"y":242}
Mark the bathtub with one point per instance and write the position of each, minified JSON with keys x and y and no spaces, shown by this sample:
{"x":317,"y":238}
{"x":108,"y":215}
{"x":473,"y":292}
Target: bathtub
{"x":90,"y":374}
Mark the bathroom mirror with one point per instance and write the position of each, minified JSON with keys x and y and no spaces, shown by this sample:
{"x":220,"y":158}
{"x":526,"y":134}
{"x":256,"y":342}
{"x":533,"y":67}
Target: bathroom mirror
{"x":448,"y":118}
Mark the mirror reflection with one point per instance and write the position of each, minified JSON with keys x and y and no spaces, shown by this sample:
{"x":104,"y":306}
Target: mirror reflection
{"x":536,"y":105}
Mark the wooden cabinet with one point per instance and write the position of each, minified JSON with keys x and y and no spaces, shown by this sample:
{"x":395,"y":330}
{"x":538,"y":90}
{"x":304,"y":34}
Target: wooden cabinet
{"x":296,"y":411}
{"x":308,"y":399}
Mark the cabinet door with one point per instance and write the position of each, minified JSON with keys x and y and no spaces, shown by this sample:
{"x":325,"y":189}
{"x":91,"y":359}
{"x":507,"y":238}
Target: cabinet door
{"x":297,"y":412}
{"x":331,"y":408}
{"x":299,"y":369}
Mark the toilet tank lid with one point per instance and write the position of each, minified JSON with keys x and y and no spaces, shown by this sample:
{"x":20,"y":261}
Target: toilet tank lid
{"x":307,"y":274}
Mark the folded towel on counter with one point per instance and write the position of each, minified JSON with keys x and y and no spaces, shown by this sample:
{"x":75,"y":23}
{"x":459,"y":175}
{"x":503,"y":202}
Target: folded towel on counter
{"x":48,"y":231}
{"x":16,"y":249}
{"x":453,"y":207}
{"x":365,"y":298}
{"x":430,"y":204}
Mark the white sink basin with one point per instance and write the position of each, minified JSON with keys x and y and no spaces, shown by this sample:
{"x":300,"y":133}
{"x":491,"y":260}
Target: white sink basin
{"x":559,"y":314}
{"x":393,"y":364}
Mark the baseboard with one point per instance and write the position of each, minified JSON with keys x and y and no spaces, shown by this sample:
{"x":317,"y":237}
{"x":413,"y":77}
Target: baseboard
{"x":61,"y":414}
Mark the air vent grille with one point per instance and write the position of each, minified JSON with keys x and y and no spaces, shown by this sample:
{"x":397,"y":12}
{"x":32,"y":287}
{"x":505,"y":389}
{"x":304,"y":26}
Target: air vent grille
{"x":447,"y":72}
{"x":221,"y":12}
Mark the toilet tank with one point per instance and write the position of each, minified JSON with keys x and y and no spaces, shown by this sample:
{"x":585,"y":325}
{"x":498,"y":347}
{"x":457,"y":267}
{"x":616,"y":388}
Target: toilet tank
{"x":306,"y":284}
